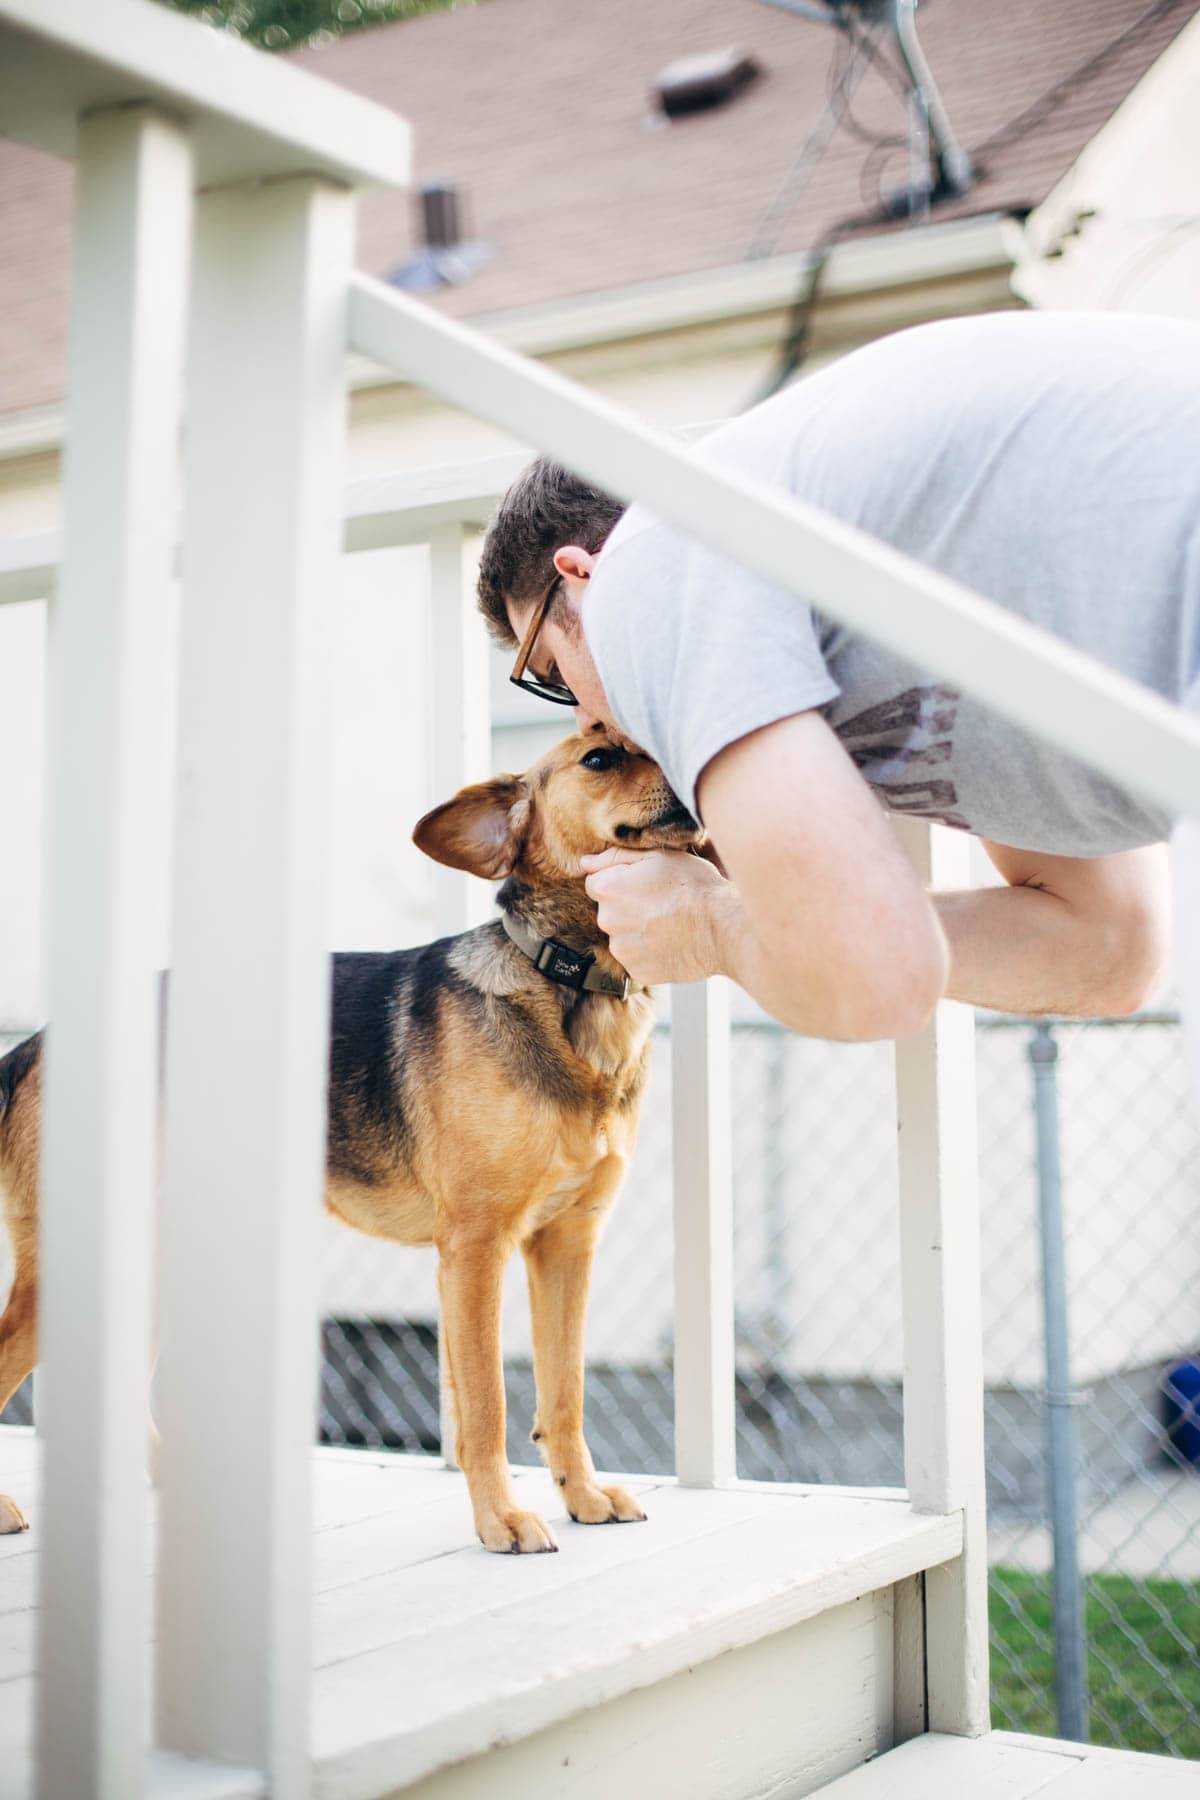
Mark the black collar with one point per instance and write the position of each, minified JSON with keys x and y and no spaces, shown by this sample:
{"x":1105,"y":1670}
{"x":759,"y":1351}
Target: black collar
{"x":570,"y":968}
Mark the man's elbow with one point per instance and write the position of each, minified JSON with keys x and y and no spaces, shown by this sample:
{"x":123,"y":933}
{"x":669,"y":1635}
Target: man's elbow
{"x":894,"y":995}
{"x":1130,"y":964}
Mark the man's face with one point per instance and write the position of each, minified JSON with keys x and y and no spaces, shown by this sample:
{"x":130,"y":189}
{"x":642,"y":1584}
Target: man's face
{"x":560,"y":655}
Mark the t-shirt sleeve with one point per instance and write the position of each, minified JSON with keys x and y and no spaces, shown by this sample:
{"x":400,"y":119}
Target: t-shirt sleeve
{"x":694,"y":651}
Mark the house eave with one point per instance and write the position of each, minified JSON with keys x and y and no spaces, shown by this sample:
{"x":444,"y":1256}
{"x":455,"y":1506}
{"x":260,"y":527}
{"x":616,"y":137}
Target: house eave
{"x":865,"y":267}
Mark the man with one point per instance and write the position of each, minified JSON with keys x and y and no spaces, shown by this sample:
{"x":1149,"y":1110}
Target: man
{"x":1046,"y":460}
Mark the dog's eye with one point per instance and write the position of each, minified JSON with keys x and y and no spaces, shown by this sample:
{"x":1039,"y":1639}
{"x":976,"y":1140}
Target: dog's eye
{"x":600,"y":759}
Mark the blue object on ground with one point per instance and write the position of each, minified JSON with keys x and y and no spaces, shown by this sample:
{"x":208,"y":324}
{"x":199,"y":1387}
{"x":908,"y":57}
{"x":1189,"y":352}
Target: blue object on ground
{"x":1181,"y":1386}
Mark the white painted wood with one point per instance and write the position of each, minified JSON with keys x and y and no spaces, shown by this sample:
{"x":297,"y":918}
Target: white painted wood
{"x":250,"y":981}
{"x":1010,"y":1766}
{"x":908,"y":1659}
{"x":943,"y":1368}
{"x":702,"y":1185}
{"x":393,"y":1715}
{"x":459,"y":722}
{"x":780,"y":1717}
{"x":953,"y":1768}
{"x":1090,"y":1772}
{"x":414,"y":1620}
{"x":29,"y":565}
{"x":1024,"y":673}
{"x":1146,"y":1777}
{"x":120,"y":484}
{"x":406,"y":506}
{"x":251,"y":114}
{"x":459,"y":715}
{"x":171,"y":1777}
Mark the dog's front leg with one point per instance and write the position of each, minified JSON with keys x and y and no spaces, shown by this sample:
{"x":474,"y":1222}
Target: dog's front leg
{"x":558,"y":1259}
{"x":470,"y":1280}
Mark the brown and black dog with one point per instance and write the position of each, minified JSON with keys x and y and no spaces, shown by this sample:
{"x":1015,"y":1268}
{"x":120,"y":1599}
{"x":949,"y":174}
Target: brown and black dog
{"x":483,"y":1094}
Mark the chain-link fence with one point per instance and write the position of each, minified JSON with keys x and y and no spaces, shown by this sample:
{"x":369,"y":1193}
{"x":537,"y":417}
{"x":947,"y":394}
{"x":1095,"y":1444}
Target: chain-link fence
{"x":819,"y":1339}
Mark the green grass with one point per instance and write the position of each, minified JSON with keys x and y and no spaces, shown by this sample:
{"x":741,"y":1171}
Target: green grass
{"x":1143,"y":1660}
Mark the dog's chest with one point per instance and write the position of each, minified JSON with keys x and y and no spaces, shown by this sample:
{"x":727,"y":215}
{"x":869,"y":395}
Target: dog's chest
{"x":610,"y":1036}
{"x":595,"y":1174}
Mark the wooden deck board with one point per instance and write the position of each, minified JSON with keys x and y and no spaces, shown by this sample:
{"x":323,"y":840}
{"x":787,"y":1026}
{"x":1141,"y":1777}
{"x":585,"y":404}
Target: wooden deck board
{"x":428,"y":1650}
{"x":1006,"y":1766}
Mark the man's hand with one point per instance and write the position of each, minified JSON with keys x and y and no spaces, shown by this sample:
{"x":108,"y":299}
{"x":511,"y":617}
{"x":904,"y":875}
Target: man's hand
{"x":664,"y":912}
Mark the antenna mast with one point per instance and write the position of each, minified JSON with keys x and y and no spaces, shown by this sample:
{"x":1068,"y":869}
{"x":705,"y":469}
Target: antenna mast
{"x":947,"y":167}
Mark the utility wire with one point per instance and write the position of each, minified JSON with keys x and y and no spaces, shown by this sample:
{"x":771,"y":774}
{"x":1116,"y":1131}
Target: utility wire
{"x":1041,"y":108}
{"x":796,"y":344}
{"x":843,"y":84}
{"x":793,"y":352}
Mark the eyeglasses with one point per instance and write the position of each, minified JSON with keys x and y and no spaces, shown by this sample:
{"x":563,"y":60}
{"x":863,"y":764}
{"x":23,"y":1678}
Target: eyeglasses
{"x":557,"y":691}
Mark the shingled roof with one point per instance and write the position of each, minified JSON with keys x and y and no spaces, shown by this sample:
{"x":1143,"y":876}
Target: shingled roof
{"x":541,"y":111}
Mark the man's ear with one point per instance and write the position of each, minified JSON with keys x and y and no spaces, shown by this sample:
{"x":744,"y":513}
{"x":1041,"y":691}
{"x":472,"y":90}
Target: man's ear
{"x":480,"y":830}
{"x":573,"y":559}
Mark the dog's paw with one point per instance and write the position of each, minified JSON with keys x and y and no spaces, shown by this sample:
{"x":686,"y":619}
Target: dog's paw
{"x":514,"y":1532}
{"x":11,"y":1516}
{"x":602,"y":1506}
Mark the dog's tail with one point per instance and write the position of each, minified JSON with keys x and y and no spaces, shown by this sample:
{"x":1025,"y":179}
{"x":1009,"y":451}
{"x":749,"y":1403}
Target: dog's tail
{"x":15,"y":1067}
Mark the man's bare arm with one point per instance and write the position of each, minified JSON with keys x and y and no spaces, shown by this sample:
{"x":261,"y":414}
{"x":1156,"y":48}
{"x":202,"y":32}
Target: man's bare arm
{"x":823,"y":919}
{"x":1082,"y":936}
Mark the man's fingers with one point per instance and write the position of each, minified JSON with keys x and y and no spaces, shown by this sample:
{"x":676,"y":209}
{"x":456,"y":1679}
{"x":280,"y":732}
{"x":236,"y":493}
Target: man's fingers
{"x":610,"y":859}
{"x":597,"y":886}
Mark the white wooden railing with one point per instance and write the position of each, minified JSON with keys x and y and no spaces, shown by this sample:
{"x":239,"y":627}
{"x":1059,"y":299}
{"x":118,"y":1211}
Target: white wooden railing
{"x":154,"y":109}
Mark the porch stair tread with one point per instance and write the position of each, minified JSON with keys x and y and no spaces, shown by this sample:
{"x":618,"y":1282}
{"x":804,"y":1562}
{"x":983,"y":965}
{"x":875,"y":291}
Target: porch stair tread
{"x":429,"y":1650}
{"x":1010,"y":1766}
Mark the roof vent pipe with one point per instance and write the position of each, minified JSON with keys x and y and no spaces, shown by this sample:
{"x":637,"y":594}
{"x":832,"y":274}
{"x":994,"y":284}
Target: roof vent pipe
{"x":444,"y":258}
{"x":440,"y":213}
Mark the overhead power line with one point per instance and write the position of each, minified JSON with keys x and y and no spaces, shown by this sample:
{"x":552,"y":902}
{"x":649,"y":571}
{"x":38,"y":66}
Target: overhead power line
{"x":795,"y":347}
{"x":1037,"y":110}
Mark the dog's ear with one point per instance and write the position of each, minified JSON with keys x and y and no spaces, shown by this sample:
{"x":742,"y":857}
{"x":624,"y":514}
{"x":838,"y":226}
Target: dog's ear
{"x":480,"y":830}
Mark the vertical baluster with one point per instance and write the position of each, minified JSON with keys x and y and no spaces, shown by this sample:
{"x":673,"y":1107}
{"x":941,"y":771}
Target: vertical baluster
{"x":249,"y":984}
{"x":459,"y":715}
{"x":943,"y":1371}
{"x":459,"y":753}
{"x":129,"y":290}
{"x":702,"y":1179}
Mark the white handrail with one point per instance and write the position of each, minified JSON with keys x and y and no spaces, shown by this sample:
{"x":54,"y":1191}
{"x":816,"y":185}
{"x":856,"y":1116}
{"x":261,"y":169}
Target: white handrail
{"x":1055,"y":691}
{"x":247,"y":115}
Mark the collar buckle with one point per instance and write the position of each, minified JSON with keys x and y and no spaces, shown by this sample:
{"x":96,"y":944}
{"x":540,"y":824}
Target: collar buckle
{"x":562,"y":964}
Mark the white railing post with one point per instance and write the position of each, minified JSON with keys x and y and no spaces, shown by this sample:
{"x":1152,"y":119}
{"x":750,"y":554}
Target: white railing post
{"x":943,"y":1367}
{"x":129,"y":290}
{"x":459,"y":753}
{"x":249,"y":982}
{"x":702,"y":1179}
{"x":459,"y":715}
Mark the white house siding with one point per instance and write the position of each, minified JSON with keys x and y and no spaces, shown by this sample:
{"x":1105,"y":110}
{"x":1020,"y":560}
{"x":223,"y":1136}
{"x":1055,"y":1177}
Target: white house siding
{"x":1122,"y":231}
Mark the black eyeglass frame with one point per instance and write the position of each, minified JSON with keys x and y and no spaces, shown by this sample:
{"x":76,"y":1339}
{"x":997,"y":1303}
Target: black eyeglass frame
{"x":556,"y":692}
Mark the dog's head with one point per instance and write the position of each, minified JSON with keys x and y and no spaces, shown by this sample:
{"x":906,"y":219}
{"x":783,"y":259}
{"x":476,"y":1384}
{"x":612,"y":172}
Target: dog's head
{"x":584,"y":795}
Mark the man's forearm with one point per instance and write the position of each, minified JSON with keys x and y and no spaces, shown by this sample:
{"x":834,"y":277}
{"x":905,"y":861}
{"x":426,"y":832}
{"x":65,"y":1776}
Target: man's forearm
{"x":1025,"y":950}
{"x":814,"y":997}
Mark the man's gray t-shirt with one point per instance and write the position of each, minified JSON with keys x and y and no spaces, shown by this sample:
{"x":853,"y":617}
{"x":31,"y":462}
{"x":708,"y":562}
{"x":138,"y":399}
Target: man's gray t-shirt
{"x":1049,"y":461}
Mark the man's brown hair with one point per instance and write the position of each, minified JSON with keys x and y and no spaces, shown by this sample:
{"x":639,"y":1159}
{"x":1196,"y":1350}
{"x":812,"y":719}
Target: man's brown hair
{"x":545,"y":507}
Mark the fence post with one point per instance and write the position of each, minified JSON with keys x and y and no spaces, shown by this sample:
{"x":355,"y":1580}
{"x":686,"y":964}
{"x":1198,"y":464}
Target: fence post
{"x":249,"y":997}
{"x":702,"y":1179}
{"x":1070,"y":1636}
{"x":943,"y":1356}
{"x":129,"y":292}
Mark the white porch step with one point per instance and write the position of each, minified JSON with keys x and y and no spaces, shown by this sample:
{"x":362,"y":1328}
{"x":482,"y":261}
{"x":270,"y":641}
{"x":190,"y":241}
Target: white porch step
{"x":1008,"y":1766}
{"x":743,"y":1636}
